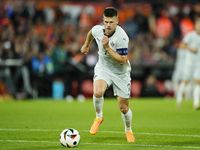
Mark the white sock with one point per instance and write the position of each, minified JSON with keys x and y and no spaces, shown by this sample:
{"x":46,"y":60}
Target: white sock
{"x":188,"y":91}
{"x":175,"y":87}
{"x":180,"y":92}
{"x":98,"y":105}
{"x":196,"y":94}
{"x":127,"y":118}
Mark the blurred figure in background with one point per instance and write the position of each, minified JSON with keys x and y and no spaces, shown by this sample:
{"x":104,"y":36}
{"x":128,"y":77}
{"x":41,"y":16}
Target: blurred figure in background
{"x":186,"y":25}
{"x":178,"y":70}
{"x":61,"y":68}
{"x":42,"y":71}
{"x":191,"y":43}
{"x":5,"y":71}
{"x":149,"y":88}
{"x":67,"y":69}
{"x":77,"y":72}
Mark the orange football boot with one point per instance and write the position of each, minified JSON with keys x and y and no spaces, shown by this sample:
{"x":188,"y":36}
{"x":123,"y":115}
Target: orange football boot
{"x":130,"y":137}
{"x":95,"y":126}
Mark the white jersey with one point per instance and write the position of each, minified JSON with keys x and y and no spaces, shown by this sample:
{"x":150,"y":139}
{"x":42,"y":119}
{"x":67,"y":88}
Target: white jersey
{"x":192,"y":60}
{"x":180,"y":58}
{"x":118,"y":42}
{"x":192,"y":39}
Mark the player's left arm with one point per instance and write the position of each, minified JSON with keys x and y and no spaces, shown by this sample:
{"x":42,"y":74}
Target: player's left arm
{"x":121,"y":59}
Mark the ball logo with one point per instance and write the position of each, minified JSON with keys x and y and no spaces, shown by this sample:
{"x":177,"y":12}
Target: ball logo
{"x":69,"y":137}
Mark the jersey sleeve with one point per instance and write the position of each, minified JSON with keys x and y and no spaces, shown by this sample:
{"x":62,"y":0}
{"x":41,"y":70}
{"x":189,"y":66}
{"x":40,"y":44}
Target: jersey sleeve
{"x":122,"y":46}
{"x":95,"y":30}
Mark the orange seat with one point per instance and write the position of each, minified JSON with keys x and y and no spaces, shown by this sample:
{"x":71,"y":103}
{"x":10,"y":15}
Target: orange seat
{"x":87,"y":88}
{"x":135,"y":88}
{"x":161,"y":87}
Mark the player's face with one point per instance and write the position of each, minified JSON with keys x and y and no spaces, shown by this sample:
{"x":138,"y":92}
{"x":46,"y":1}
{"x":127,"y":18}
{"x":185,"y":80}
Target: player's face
{"x":197,"y":27}
{"x":110,"y":24}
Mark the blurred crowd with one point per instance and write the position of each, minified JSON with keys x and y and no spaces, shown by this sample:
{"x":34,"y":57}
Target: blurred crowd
{"x":47,"y":37}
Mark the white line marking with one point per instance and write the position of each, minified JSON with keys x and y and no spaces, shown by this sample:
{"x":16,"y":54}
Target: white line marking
{"x":25,"y":141}
{"x":30,"y":130}
{"x":52,"y":130}
{"x":112,"y":144}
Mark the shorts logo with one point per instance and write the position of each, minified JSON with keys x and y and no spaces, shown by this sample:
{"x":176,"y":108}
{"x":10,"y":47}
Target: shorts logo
{"x":129,"y":89}
{"x":95,"y":76}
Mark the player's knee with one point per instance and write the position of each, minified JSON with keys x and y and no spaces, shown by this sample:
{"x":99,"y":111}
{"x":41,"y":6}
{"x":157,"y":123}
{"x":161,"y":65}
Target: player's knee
{"x":124,"y":109}
{"x":98,"y":93}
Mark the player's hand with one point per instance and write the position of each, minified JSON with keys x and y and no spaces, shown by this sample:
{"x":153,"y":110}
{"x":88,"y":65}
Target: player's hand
{"x":84,"y":49}
{"x":194,"y":50}
{"x":105,"y":42}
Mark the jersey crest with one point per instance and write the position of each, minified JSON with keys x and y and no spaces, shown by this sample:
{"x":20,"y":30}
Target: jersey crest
{"x":112,"y":44}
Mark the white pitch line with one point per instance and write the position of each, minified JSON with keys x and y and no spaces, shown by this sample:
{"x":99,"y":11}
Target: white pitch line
{"x":144,"y":145}
{"x":45,"y":130}
{"x":51,"y":130}
{"x":25,"y":141}
{"x":111,"y":144}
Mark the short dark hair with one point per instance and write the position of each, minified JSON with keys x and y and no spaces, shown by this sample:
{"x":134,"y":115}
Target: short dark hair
{"x":110,"y":12}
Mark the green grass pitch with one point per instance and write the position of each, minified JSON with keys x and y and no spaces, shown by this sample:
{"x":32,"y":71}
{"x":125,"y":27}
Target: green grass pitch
{"x":157,"y":124}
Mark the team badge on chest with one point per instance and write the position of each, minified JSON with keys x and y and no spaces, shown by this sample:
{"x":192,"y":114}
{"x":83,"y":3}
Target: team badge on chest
{"x":112,"y":44}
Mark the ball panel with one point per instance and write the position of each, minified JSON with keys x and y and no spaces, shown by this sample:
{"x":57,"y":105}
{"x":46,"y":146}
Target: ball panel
{"x":69,"y":137}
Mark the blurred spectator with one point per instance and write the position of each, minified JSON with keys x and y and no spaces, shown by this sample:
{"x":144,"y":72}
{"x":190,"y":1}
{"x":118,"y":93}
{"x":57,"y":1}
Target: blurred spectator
{"x":42,"y":70}
{"x":131,"y":28}
{"x":4,"y":92}
{"x":163,"y":26}
{"x":195,"y":11}
{"x":49,"y":14}
{"x":5,"y":72}
{"x":21,"y":72}
{"x":141,"y":19}
{"x":149,"y":88}
{"x":78,"y":70}
{"x":65,"y":68}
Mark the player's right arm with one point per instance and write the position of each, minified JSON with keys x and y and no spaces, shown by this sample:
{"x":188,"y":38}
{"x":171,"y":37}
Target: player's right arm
{"x":85,"y":47}
{"x":185,"y":46}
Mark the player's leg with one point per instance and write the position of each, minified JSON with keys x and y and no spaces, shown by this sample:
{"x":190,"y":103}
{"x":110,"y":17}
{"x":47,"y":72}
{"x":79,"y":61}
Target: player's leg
{"x":196,"y":91}
{"x":175,"y":85}
{"x":188,"y":90}
{"x":100,"y":87}
{"x":196,"y":94}
{"x":180,"y":92}
{"x":175,"y":81}
{"x":121,"y":89}
{"x":187,"y":74}
{"x":126,"y":114}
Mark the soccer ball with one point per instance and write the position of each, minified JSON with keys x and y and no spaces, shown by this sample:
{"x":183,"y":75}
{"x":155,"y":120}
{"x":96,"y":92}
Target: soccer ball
{"x":69,"y":137}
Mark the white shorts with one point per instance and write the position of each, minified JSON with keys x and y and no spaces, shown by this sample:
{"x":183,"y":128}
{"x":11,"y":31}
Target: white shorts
{"x":177,"y":74}
{"x":121,"y":83}
{"x":197,"y":71}
{"x":191,"y":71}
{"x":188,"y":71}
